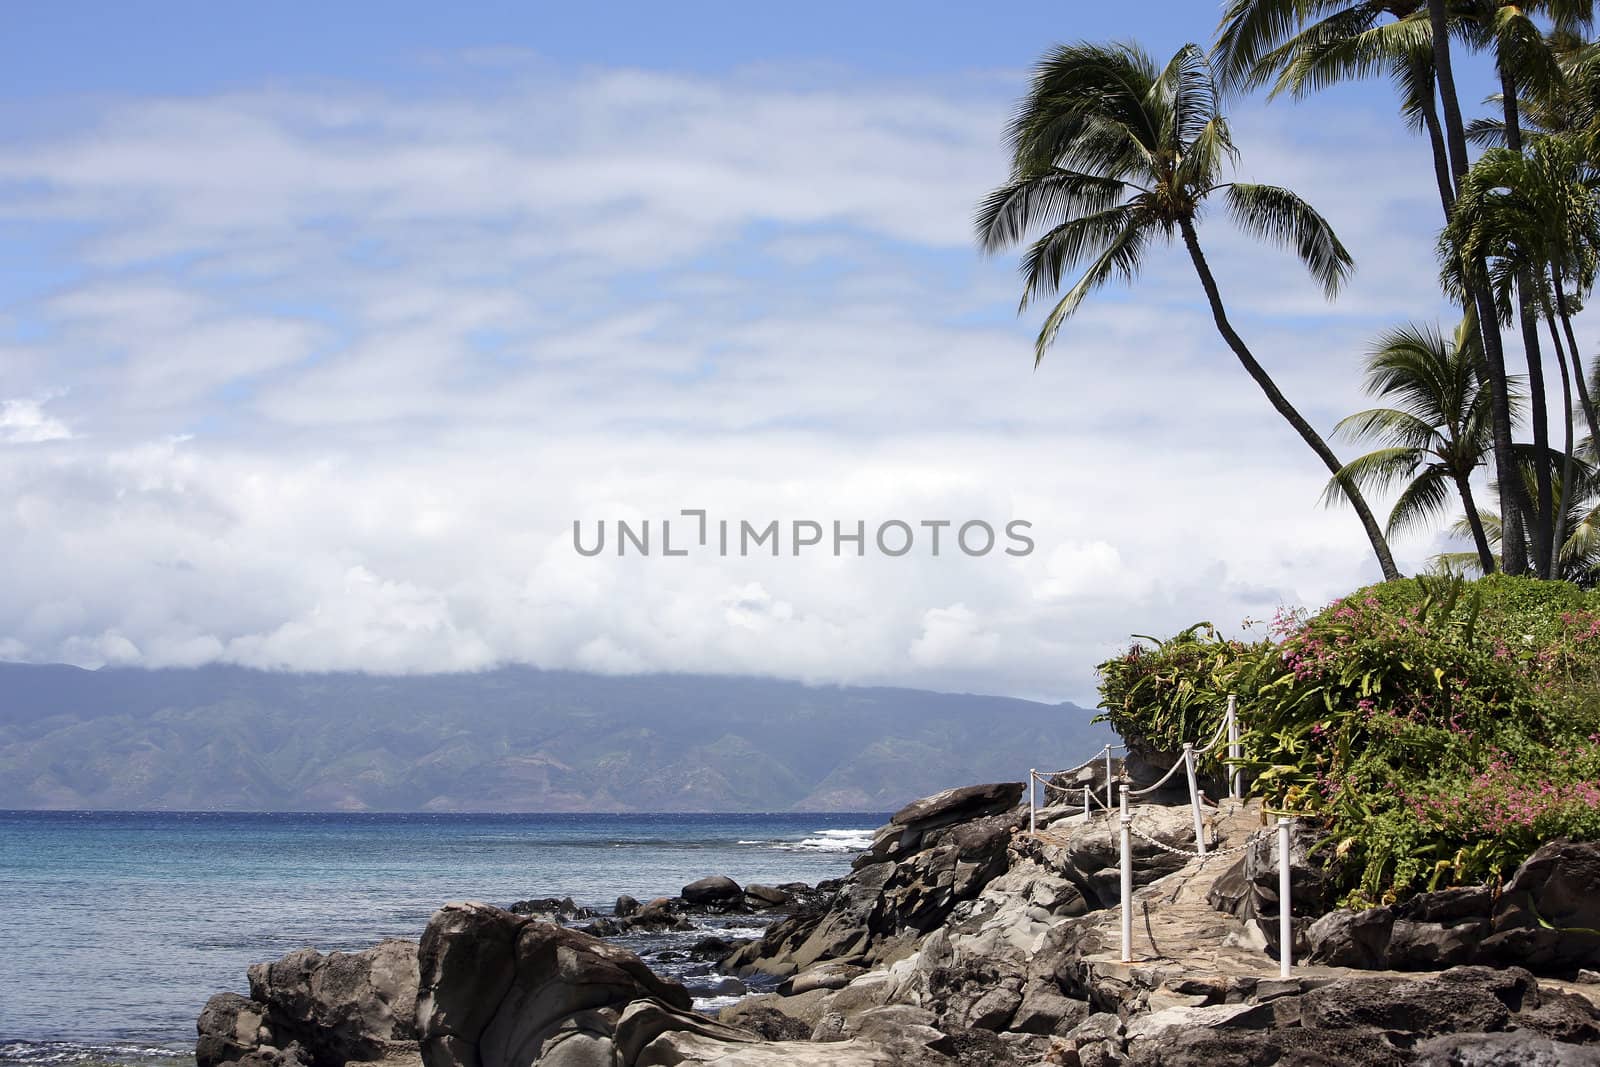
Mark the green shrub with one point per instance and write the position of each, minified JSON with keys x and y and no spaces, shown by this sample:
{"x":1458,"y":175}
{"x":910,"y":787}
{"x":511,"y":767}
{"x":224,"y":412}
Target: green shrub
{"x":1159,"y":694}
{"x":1438,"y":729}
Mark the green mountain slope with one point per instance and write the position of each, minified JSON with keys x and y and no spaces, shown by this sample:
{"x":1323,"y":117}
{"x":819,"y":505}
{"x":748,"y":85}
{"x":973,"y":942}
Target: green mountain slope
{"x":513,"y":739}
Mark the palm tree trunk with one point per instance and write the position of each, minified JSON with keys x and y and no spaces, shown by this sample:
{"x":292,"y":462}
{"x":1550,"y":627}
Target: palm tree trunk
{"x":1544,"y":505}
{"x":1559,"y":539}
{"x":1475,"y":521}
{"x":1380,"y":546}
{"x":1441,"y":154}
{"x":1513,"y":550}
{"x":1577,"y":363}
{"x":1444,"y":75}
{"x":1545,"y":554}
{"x":1492,"y":368}
{"x":1447,"y":200}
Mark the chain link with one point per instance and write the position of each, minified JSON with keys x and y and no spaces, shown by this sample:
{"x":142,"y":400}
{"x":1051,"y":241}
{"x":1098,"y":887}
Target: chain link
{"x":1185,"y":852}
{"x":1045,"y":837}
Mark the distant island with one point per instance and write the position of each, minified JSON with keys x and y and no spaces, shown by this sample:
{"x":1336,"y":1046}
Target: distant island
{"x":511,"y":739}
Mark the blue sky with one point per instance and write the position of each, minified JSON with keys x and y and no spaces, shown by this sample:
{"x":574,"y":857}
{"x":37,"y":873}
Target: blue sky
{"x":320,"y":326}
{"x":185,"y":46}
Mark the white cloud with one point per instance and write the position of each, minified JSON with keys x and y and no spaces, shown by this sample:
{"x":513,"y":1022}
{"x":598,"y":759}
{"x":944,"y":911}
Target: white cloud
{"x":23,"y":422}
{"x":354,"y":363}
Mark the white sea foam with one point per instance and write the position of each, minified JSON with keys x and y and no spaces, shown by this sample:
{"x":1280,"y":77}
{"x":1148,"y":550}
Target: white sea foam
{"x":69,"y":1052}
{"x":830,"y":841}
{"x":738,"y":931}
{"x":714,"y":1004}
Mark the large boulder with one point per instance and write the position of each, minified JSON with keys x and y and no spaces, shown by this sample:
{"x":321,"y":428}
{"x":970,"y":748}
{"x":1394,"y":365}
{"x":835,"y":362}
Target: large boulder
{"x":1544,"y":919}
{"x":335,"y":1009}
{"x":1089,"y":853}
{"x":717,"y":889}
{"x":992,"y":965}
{"x":1248,"y":890}
{"x":500,"y":990}
{"x":496,"y":988}
{"x":766,"y":896}
{"x":1548,"y":916}
{"x":231,"y":1027}
{"x":1425,"y":1007}
{"x":938,"y":852}
{"x":958,"y":805}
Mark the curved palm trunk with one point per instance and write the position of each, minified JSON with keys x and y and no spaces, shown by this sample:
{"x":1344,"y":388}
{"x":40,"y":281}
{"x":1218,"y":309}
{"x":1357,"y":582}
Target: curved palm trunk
{"x":1475,"y":521}
{"x":1380,"y":546}
{"x":1513,"y":550}
{"x":1559,"y":539}
{"x":1546,"y":551}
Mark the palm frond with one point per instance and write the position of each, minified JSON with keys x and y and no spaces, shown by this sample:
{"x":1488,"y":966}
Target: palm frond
{"x":1010,"y":211}
{"x":1060,"y":250}
{"x":1422,"y":503}
{"x":1281,"y":217}
{"x":1349,"y":45}
{"x":1379,"y":469}
{"x":1411,"y":432}
{"x":1121,"y":257}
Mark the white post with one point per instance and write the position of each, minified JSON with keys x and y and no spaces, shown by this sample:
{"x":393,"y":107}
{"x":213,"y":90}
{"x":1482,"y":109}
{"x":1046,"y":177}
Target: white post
{"x":1285,"y":901}
{"x":1088,"y":793}
{"x":1110,"y":800}
{"x":1234,"y":751}
{"x":1194,"y":799}
{"x":1127,"y":879}
{"x":1032,"y":809}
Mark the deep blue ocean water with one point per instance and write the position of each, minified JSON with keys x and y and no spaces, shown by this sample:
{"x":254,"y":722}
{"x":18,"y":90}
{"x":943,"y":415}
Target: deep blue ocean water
{"x":116,"y":926}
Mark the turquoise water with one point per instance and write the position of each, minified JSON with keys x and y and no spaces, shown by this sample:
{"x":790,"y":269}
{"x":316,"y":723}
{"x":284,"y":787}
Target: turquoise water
{"x":115,"y":927}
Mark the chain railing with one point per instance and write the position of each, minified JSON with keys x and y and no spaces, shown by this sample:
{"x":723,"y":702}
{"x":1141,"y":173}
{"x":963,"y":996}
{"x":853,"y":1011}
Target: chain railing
{"x":1227,"y":731}
{"x":1036,"y":776}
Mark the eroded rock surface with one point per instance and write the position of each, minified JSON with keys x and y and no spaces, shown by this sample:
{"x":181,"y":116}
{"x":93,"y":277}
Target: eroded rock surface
{"x":958,"y":940}
{"x":1547,"y":918}
{"x":500,"y":990}
{"x":318,"y":1010}
{"x":934,"y":854}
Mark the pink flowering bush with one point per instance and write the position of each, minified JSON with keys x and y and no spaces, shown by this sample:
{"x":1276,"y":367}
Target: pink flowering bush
{"x":1438,"y":729}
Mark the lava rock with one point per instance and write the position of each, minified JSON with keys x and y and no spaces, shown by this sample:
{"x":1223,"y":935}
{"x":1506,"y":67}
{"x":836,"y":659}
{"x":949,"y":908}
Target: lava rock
{"x":336,"y":1008}
{"x":718,"y":889}
{"x":766,"y":896}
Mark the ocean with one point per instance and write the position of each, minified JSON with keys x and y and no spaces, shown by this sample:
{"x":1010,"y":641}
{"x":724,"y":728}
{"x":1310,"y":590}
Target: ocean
{"x":116,"y":926}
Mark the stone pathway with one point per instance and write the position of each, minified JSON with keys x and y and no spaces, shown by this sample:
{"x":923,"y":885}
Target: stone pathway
{"x":1186,"y":953}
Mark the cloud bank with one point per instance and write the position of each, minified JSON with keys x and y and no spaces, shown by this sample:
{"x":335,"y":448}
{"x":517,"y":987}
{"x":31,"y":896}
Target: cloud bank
{"x":320,"y":379}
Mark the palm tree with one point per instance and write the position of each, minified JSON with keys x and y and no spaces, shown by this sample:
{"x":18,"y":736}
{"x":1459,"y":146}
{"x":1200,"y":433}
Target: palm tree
{"x":1302,"y":46}
{"x":1310,"y":43}
{"x":1527,"y":66}
{"x":1439,"y":433}
{"x":1114,"y":154}
{"x":1579,"y":558}
{"x":1534,"y":212}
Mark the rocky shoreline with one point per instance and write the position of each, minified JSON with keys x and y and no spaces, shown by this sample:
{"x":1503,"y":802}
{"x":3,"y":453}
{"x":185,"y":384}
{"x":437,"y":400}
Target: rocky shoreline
{"x":959,"y":939}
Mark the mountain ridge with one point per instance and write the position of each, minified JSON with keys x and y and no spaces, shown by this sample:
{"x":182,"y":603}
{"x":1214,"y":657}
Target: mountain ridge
{"x":514,"y":738}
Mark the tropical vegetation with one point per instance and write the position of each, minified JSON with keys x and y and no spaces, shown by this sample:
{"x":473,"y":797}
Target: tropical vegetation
{"x":1114,"y":153}
{"x":1437,"y":729}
